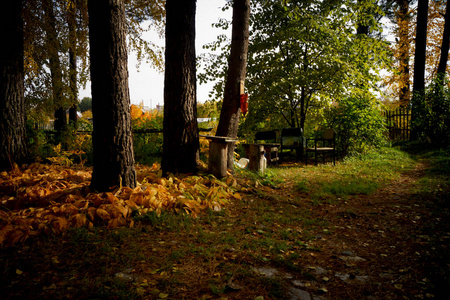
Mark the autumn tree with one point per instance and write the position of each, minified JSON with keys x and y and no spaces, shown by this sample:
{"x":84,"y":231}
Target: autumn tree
{"x":237,"y":66}
{"x":181,"y":140}
{"x":12,"y":110}
{"x":400,"y":13}
{"x":112,"y":136}
{"x":402,"y":17}
{"x":59,"y":29}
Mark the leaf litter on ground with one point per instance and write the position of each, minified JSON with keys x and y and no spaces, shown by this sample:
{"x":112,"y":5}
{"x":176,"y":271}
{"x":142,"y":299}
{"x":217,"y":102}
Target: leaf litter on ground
{"x":43,"y":199}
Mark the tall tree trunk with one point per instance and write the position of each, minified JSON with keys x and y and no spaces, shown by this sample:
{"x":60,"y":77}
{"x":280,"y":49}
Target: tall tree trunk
{"x":303,"y":108}
{"x":237,"y":66}
{"x":53,"y":47}
{"x":421,"y":45}
{"x":419,"y":60}
{"x":112,"y":137}
{"x":71,"y":20}
{"x":181,"y":142}
{"x":13,"y":148}
{"x":403,"y":35}
{"x":445,"y":44}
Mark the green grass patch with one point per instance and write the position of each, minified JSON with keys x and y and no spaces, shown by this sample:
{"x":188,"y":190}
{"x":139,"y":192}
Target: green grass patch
{"x":354,"y":186}
{"x":166,"y":220}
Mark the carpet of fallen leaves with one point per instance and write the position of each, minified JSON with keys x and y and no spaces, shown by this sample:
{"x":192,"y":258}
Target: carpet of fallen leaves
{"x":43,"y":199}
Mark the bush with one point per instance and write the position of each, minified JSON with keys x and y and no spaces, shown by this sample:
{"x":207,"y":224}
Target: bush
{"x":147,"y":146}
{"x":358,"y":123}
{"x":431,"y":115}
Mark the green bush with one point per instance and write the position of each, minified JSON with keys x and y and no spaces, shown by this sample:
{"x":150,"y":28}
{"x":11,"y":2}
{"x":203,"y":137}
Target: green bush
{"x":358,"y":123}
{"x":148,"y":146}
{"x":431,"y":115}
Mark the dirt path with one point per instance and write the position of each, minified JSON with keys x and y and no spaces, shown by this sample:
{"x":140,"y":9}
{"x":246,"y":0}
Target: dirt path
{"x":393,"y":244}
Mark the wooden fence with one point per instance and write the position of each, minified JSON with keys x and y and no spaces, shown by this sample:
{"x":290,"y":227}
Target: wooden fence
{"x":398,"y":122}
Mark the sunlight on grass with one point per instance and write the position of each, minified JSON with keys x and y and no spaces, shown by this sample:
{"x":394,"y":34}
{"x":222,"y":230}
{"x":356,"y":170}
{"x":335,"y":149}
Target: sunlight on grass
{"x":360,"y":175}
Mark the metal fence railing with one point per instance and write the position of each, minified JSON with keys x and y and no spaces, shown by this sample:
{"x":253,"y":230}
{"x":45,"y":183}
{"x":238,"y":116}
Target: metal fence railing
{"x":398,"y":122}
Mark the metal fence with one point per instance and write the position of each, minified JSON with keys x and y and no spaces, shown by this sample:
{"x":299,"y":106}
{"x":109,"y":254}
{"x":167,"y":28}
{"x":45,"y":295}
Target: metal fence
{"x":399,"y":124}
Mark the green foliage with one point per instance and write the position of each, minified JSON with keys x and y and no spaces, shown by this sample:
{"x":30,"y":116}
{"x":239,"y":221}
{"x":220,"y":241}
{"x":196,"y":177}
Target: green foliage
{"x":269,"y":178}
{"x":431,"y":115}
{"x":84,"y":125}
{"x":358,"y":123}
{"x":85,"y":104}
{"x":303,"y":55}
{"x":36,"y":140}
{"x":147,"y":145}
{"x":73,"y":148}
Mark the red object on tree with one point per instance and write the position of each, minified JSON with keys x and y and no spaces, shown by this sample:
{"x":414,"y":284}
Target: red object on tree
{"x":244,"y":103}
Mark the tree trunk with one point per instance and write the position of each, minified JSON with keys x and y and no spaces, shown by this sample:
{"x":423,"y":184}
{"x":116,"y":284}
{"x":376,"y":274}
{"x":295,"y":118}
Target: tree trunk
{"x":421,"y":45}
{"x":403,"y":24}
{"x":13,"y":148}
{"x":237,"y":66}
{"x":53,"y":47}
{"x":181,"y":142}
{"x":112,"y":136}
{"x":445,"y":44}
{"x":419,"y":60}
{"x":71,"y":20}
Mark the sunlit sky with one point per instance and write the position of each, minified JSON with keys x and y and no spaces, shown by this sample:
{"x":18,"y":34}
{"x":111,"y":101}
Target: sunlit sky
{"x":147,"y":84}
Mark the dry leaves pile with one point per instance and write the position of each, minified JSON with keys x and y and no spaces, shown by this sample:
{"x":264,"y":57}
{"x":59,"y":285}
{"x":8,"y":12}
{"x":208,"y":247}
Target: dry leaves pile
{"x":51,"y":199}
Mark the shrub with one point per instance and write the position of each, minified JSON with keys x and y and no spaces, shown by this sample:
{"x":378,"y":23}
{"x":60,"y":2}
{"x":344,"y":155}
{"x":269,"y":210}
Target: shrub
{"x":358,"y":123}
{"x":431,"y":115}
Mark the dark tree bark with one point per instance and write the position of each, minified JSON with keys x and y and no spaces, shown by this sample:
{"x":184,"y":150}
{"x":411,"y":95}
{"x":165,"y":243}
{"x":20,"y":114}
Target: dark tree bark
{"x":419,"y":62}
{"x":402,"y":22}
{"x":237,"y":67}
{"x":13,"y":147}
{"x":421,"y":45}
{"x":445,"y":44}
{"x":181,"y":141}
{"x":53,"y":47}
{"x":71,"y":21}
{"x":112,"y":136}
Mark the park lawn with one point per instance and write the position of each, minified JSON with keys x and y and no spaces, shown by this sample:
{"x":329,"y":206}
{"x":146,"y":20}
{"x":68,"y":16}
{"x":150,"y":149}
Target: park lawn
{"x":372,"y":227}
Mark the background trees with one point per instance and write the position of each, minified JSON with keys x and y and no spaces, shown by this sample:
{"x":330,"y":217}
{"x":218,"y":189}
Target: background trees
{"x":306,"y":57}
{"x":13,"y":147}
{"x":58,"y":29}
{"x":112,"y":136}
{"x":181,"y":142}
{"x":296,"y":53}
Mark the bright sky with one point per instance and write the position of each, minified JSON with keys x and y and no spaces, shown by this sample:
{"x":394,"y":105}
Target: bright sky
{"x":146,"y":84}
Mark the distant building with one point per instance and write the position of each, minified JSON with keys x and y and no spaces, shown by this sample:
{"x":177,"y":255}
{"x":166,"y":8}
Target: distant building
{"x":205,"y":120}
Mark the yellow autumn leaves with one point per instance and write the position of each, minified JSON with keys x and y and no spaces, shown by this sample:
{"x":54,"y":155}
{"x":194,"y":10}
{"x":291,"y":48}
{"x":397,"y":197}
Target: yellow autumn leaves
{"x":50,"y":199}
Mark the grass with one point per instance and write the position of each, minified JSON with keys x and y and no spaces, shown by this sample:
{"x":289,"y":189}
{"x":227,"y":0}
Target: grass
{"x":360,"y":175}
{"x":284,"y":220}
